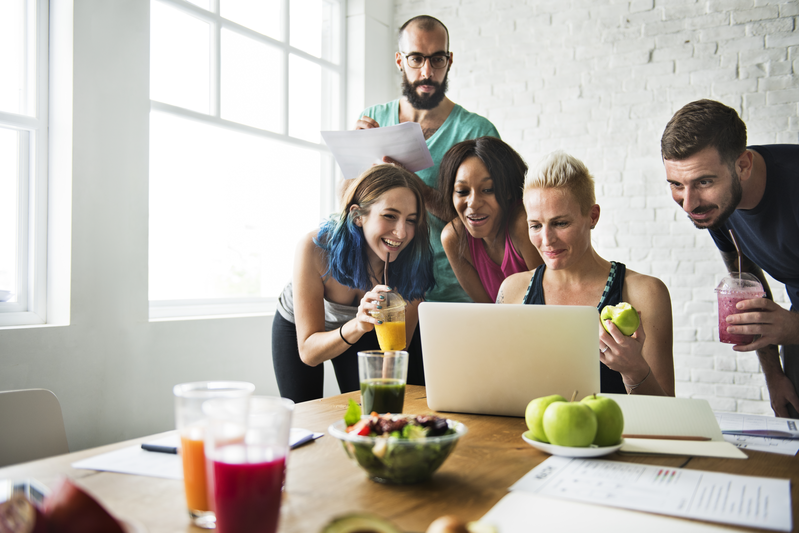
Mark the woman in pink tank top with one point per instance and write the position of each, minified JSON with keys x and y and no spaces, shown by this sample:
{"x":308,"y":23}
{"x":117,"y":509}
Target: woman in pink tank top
{"x":486,"y":241}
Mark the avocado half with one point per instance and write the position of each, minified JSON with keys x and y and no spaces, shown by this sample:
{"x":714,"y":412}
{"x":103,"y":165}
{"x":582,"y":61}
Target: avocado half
{"x":360,"y":523}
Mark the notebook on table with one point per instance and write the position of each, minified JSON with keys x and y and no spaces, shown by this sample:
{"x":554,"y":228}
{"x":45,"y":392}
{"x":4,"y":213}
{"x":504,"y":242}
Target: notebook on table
{"x":493,"y":358}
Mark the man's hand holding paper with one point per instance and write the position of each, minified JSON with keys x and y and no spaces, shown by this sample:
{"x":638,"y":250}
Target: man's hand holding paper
{"x":357,"y":150}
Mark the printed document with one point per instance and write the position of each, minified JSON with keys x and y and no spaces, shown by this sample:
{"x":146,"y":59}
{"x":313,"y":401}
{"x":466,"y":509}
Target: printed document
{"x":731,"y":499}
{"x":758,"y":425}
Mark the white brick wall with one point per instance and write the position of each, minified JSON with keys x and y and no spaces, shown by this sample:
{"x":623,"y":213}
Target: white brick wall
{"x":600,"y":79}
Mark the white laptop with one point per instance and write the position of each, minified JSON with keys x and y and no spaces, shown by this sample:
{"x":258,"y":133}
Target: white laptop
{"x":494,"y":358}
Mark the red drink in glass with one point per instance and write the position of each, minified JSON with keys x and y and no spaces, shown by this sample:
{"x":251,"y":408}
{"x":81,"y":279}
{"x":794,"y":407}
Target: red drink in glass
{"x":248,"y":483}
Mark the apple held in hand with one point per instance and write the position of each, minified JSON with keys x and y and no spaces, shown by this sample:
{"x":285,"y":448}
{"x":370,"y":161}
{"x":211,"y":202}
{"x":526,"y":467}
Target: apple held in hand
{"x":624,"y":316}
{"x":534,"y":415}
{"x":570,"y":424}
{"x":610,"y":420}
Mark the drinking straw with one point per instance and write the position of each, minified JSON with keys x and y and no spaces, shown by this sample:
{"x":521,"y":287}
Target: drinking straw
{"x":735,"y":243}
{"x":385,"y":269}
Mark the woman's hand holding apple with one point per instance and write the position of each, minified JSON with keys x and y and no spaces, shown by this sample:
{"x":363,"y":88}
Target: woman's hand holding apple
{"x":623,"y":353}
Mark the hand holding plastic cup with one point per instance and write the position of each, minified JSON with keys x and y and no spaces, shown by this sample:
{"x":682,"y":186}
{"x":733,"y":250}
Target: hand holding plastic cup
{"x":736,"y":287}
{"x":246,"y":451}
{"x":383,"y":376}
{"x":391,"y":333}
{"x":190,"y":423}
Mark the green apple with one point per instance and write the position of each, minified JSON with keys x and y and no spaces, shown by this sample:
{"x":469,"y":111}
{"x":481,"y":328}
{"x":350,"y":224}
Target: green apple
{"x":534,"y":415}
{"x":624,"y":316}
{"x":609,"y":418}
{"x":570,"y":424}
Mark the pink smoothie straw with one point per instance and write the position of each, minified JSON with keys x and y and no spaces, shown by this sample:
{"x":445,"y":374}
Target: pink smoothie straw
{"x":740,"y":270}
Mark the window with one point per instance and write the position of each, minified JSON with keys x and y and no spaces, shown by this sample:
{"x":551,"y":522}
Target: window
{"x":23,"y":161}
{"x":240,"y":90}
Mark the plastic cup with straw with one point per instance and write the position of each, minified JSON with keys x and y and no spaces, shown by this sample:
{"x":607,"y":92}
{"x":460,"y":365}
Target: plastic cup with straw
{"x":391,"y":333}
{"x":733,"y":288}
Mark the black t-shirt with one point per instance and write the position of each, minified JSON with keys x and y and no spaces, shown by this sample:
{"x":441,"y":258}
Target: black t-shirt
{"x":768,"y":234}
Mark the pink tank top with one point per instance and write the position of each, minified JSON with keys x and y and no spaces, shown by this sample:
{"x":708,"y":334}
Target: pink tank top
{"x":491,"y":274}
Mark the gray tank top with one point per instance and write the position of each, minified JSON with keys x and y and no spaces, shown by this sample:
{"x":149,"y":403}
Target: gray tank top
{"x":335,"y":314}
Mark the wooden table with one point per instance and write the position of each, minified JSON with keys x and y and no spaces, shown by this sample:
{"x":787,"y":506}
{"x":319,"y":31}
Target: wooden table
{"x":322,"y":482}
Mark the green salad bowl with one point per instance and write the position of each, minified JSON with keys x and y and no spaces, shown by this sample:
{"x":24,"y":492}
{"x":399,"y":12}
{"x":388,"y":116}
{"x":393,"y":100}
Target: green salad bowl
{"x":399,"y":461}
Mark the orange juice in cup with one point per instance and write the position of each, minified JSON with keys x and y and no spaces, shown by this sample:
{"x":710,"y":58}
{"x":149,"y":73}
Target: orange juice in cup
{"x":391,"y":333}
{"x":191,"y":422}
{"x":193,"y":456}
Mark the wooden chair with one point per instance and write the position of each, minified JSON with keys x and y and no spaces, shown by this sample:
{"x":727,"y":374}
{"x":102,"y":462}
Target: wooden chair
{"x":32,"y":426}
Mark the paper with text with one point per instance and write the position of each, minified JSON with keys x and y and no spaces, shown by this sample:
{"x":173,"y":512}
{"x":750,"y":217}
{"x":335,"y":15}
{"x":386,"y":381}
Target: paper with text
{"x":758,"y":425}
{"x":357,"y":150}
{"x":731,"y":499}
{"x":764,"y":444}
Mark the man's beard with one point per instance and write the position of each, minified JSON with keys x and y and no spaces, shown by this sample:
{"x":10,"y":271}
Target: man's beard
{"x":426,"y":100}
{"x":736,"y":193}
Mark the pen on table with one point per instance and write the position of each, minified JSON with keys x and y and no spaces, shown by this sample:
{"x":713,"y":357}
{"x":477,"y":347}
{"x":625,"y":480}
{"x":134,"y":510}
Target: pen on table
{"x":667,"y":437}
{"x":161,"y":449}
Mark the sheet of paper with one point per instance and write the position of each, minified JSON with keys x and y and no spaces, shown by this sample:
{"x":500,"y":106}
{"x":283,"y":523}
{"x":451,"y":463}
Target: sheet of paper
{"x":758,"y":425}
{"x":764,"y":444}
{"x":134,"y":460}
{"x":659,"y":415}
{"x":523,"y":512}
{"x":357,"y":150}
{"x":731,"y":499}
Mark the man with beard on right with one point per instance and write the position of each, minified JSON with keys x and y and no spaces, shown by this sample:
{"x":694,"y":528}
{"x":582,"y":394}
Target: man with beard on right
{"x":424,"y":59}
{"x":724,"y":185}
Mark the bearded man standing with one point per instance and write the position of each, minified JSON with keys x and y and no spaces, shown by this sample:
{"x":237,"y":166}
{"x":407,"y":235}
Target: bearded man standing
{"x":724,"y":185}
{"x":424,"y":59}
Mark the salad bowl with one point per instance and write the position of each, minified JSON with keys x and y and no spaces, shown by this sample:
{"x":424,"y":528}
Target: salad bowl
{"x":396,"y":459}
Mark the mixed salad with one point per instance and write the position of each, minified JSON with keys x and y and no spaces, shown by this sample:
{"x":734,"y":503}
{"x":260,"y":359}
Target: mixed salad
{"x":398,"y":448}
{"x":397,"y":426}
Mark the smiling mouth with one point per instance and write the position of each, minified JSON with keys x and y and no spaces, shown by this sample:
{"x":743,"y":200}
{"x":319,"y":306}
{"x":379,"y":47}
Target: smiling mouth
{"x":391,"y":244}
{"x":476,"y":218}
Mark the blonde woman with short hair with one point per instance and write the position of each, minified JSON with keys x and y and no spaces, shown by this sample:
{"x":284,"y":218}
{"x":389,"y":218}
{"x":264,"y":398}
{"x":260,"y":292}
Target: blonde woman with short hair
{"x":561,"y":213}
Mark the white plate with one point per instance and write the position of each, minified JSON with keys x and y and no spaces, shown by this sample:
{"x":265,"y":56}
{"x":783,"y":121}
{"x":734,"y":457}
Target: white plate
{"x":569,"y":451}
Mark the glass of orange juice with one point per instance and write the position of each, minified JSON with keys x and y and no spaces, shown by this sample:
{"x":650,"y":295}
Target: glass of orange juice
{"x":191,"y":425}
{"x":391,"y":333}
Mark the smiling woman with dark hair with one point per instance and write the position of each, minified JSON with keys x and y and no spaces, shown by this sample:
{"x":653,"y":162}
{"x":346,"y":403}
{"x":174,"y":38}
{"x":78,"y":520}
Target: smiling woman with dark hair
{"x":481,"y":181}
{"x":338,"y":274}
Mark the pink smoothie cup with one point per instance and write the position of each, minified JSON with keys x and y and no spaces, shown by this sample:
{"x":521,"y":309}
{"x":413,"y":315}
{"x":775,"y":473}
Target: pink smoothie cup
{"x":734,"y":288}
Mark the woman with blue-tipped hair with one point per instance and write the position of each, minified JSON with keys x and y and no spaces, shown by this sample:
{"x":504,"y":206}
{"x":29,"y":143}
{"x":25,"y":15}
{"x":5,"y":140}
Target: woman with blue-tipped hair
{"x":324,"y":313}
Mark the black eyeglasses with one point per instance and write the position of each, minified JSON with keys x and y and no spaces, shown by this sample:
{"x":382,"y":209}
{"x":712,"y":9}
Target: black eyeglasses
{"x":416,"y":61}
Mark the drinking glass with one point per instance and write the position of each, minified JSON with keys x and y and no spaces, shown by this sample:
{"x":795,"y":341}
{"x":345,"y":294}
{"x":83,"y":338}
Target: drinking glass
{"x":190,"y":423}
{"x":246,"y":451}
{"x":383,"y":376}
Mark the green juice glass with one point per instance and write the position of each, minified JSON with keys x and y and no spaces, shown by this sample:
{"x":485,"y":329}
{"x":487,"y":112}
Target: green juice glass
{"x":383,"y":376}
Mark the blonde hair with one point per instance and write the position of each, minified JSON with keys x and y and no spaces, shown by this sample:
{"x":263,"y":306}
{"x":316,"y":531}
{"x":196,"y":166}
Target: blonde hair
{"x":560,"y":170}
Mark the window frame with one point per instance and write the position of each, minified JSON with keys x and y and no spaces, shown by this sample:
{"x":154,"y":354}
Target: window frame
{"x":161,"y":310}
{"x":32,"y":218}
